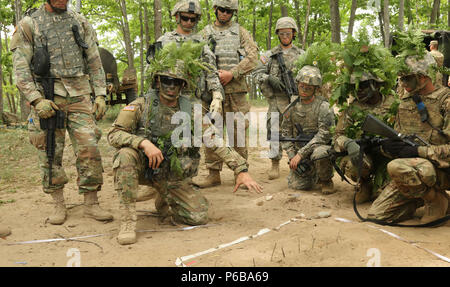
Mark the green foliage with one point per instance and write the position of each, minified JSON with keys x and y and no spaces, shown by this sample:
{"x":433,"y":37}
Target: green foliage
{"x":189,"y":52}
{"x":360,"y":57}
{"x":409,"y":43}
{"x":164,"y":144}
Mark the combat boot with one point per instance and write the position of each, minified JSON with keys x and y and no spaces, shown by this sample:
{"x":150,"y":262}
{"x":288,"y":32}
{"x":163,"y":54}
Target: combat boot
{"x":365,"y":193}
{"x":436,"y":205}
{"x":127,"y":234}
{"x":146,"y":194}
{"x":60,"y":214}
{"x":213,"y":179}
{"x":4,"y":231}
{"x":274,"y":172}
{"x":327,"y":187}
{"x":92,"y":208}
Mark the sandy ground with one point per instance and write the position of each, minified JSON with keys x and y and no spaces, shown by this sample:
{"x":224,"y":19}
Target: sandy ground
{"x":303,"y":241}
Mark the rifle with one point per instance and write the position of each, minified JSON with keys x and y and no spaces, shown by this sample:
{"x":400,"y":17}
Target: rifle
{"x":288,"y":80}
{"x":153,"y":174}
{"x":41,"y":63}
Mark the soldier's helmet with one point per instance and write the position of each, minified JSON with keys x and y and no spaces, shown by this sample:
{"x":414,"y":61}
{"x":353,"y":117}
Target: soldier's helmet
{"x":187,"y":6}
{"x":309,"y":75}
{"x":176,"y":72}
{"x":416,"y":66}
{"x":286,"y":22}
{"x":366,"y":76}
{"x":229,"y":4}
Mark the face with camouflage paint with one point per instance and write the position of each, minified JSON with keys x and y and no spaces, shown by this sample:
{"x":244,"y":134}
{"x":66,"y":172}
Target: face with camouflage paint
{"x":170,"y":87}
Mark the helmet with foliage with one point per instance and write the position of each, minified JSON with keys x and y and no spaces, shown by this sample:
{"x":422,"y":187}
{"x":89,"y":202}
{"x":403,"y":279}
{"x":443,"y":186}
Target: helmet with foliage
{"x":309,"y":75}
{"x":418,"y":66}
{"x":366,"y":76}
{"x":286,"y":23}
{"x":229,"y":4}
{"x":176,"y":71}
{"x":187,"y":6}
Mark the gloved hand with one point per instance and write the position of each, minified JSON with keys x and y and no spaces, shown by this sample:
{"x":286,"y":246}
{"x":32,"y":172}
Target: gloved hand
{"x":45,"y":108}
{"x":275,"y":83}
{"x":99,"y":108}
{"x":216,"y":103}
{"x":353,"y":151}
{"x":399,"y":149}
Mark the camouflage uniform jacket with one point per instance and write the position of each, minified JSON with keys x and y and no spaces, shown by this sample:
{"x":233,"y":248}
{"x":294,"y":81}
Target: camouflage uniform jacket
{"x":438,"y":57}
{"x":438,"y":154}
{"x":315,"y":119}
{"x":346,"y":119}
{"x":239,"y":57}
{"x":136,"y":121}
{"x":269,"y":66}
{"x":437,"y":131}
{"x":85,"y":71}
{"x":212,"y":78}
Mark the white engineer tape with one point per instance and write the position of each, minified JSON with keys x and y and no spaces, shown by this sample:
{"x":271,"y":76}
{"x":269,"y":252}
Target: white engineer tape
{"x":446,"y":259}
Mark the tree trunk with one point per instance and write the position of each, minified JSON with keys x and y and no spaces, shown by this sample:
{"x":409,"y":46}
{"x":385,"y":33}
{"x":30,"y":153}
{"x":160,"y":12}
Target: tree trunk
{"x":401,"y":15}
{"x":284,"y":11}
{"x":208,"y":16}
{"x":448,"y":14}
{"x":408,"y":11}
{"x":386,"y":23}
{"x":141,"y":52}
{"x":147,"y":26}
{"x":126,"y":34}
{"x":297,"y":19}
{"x":434,"y":12}
{"x":351,"y":22}
{"x":314,"y":29}
{"x":17,"y":11}
{"x":305,"y":35}
{"x":269,"y":34}
{"x":254,"y":23}
{"x":380,"y":19}
{"x":158,"y":19}
{"x":335,"y":22}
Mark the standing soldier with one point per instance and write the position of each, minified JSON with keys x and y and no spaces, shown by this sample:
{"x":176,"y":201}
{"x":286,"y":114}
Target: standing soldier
{"x":236,"y":56}
{"x":439,"y":58}
{"x":137,"y":132}
{"x":424,"y":111}
{"x":268,"y":76}
{"x":67,"y":41}
{"x":308,"y":162}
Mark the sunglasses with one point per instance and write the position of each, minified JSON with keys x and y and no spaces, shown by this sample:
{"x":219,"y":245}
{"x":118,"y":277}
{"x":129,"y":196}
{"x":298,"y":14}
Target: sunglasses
{"x":225,"y":10}
{"x":285,"y":34}
{"x":186,"y":19}
{"x":169,"y":81}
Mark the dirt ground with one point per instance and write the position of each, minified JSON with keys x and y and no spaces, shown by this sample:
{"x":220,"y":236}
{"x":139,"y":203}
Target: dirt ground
{"x":303,"y":241}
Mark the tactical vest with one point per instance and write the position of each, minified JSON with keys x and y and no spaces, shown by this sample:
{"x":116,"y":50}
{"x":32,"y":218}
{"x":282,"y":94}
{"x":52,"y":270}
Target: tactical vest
{"x":228,"y":53}
{"x":408,"y":119}
{"x":55,"y":31}
{"x":307,"y":116}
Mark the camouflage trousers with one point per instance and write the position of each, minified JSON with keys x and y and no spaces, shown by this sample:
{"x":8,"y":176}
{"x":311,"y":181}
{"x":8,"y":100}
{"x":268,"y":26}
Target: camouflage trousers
{"x":84,"y":136}
{"x":276,"y":105}
{"x":232,"y":103}
{"x":321,"y":170}
{"x":178,"y":199}
{"x":412,"y":178}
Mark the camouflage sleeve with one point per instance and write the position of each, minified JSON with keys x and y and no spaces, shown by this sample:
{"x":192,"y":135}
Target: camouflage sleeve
{"x":94,"y":63}
{"x":251,"y":55}
{"x":212,"y":76}
{"x":323,"y":136}
{"x":287,"y":132}
{"x":261,"y":72}
{"x":22,"y":49}
{"x":123,"y":131}
{"x":231,"y":158}
{"x":446,"y":114}
{"x":440,"y":155}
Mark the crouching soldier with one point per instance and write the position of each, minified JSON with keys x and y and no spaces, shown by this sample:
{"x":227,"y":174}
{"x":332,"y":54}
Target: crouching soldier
{"x":146,"y":155}
{"x":308,"y":162}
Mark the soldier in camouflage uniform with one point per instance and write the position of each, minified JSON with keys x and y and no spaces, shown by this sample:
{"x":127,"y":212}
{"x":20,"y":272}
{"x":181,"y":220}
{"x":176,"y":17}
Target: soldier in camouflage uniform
{"x":368,"y":99}
{"x":316,"y":118}
{"x":439,"y":58}
{"x":136,"y":129}
{"x":236,"y":56}
{"x":268,"y":76}
{"x":73,"y":68}
{"x":417,"y":181}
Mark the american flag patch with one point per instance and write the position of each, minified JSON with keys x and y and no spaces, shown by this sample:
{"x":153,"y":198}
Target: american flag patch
{"x":129,"y":108}
{"x":263,"y":59}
